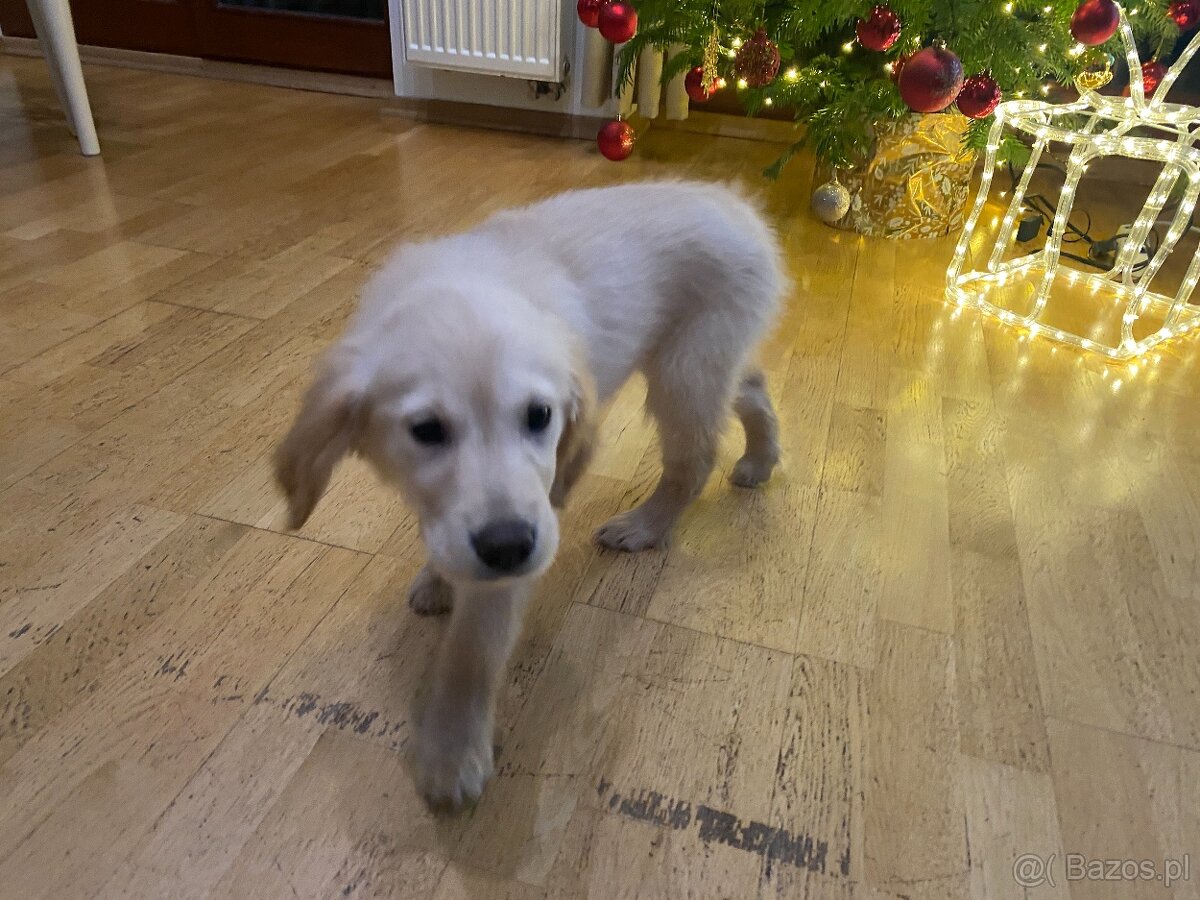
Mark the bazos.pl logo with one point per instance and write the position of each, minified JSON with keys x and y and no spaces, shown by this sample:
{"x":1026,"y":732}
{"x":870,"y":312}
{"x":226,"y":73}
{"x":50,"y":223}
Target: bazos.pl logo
{"x":1032,"y":870}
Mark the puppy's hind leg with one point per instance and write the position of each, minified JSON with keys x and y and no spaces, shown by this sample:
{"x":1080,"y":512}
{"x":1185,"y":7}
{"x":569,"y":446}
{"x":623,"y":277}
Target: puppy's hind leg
{"x":689,"y":425}
{"x":753,"y":407}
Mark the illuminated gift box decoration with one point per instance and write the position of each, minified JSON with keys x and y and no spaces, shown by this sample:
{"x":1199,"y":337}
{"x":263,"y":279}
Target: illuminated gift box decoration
{"x":1094,"y":126}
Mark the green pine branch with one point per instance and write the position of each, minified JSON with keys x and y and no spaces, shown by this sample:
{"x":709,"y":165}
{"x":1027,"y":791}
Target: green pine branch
{"x":842,"y":98}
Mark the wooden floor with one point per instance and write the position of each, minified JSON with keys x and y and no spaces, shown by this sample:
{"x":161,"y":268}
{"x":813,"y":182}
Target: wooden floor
{"x":961,"y":626}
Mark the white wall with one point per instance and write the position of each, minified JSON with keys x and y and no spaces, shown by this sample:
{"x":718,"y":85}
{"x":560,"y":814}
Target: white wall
{"x":426,"y":83}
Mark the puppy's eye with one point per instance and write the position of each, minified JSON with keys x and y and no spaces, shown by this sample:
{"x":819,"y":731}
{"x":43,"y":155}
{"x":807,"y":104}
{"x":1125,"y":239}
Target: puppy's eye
{"x":429,"y":432}
{"x":537,"y":417}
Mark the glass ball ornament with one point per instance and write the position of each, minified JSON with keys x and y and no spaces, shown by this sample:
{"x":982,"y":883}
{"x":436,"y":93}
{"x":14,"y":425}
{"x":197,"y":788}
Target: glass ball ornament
{"x":615,"y":140}
{"x":589,"y":12}
{"x":1185,"y":13}
{"x":617,"y":21}
{"x":831,"y":202}
{"x":1153,"y":72}
{"x":930,"y":80}
{"x":1095,"y":21}
{"x":980,"y":95}
{"x":757,"y":60}
{"x":898,"y":64}
{"x":879,"y":30}
{"x":693,"y":83}
{"x":1095,"y":70}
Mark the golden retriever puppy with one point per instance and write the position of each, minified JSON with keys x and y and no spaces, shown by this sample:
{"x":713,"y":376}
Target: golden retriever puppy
{"x":470,"y":377}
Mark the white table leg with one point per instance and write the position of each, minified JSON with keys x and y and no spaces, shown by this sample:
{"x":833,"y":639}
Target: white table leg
{"x":56,"y":31}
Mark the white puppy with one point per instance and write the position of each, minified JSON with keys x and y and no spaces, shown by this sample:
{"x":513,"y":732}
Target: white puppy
{"x":470,"y":376}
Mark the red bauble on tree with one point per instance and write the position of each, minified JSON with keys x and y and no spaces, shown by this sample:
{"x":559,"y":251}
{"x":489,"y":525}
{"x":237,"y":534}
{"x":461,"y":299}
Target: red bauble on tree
{"x":693,"y":83}
{"x":1186,"y":13}
{"x":979,"y":96}
{"x":898,"y":65}
{"x":931,"y":80}
{"x":879,"y":30}
{"x":615,"y":140}
{"x":1153,"y":72}
{"x":1095,"y":21}
{"x":618,"y":21}
{"x":757,"y":60}
{"x":589,"y":12}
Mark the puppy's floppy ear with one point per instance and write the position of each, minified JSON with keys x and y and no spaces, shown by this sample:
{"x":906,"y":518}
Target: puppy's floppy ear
{"x":325,"y":429}
{"x":578,"y":434}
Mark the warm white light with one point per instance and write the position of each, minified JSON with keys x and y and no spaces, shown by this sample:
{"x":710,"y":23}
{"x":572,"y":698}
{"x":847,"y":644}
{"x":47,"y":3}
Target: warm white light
{"x":1041,"y":269}
{"x":767,"y":101}
{"x":792,"y":74}
{"x":737,"y":43}
{"x":742,"y":83}
{"x":848,"y":46}
{"x":1008,"y":7}
{"x":1042,"y":48}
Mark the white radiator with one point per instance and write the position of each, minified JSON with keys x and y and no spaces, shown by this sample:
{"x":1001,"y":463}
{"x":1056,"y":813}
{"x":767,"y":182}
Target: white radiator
{"x":520,"y":38}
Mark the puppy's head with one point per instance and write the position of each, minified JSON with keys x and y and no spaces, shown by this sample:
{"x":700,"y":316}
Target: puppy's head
{"x":474,"y":403}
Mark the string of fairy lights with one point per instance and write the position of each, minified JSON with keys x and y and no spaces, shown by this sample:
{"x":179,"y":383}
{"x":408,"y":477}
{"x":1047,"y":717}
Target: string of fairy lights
{"x":1105,"y":132}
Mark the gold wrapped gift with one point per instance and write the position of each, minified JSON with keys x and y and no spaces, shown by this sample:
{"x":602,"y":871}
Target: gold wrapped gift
{"x":917,"y":183}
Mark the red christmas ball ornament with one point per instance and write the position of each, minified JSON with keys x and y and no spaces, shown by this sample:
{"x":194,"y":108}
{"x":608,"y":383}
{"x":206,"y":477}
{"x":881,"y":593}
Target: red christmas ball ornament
{"x":1186,"y":13}
{"x":931,"y":80}
{"x":879,"y":30}
{"x":617,"y":21}
{"x":979,"y":96}
{"x":693,"y":83}
{"x":1153,"y":72}
{"x":1095,"y":21}
{"x":589,"y":12}
{"x":757,"y":60}
{"x":898,"y":65}
{"x":615,"y":140}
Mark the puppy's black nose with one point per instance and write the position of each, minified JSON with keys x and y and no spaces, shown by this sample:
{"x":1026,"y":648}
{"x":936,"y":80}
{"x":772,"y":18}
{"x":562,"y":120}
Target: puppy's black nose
{"x":505,"y":545}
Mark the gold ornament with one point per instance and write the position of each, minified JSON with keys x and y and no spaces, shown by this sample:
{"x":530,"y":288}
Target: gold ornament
{"x":1096,"y":70}
{"x":712,"y":49}
{"x":917,"y":183}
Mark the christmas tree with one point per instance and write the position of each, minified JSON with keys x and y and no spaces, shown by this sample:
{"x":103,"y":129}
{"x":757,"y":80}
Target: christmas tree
{"x":841,"y":66}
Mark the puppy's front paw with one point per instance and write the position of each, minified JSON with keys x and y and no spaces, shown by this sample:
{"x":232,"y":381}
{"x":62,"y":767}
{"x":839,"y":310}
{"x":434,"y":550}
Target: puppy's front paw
{"x":453,"y":769}
{"x":631,"y":531}
{"x":429,"y":594}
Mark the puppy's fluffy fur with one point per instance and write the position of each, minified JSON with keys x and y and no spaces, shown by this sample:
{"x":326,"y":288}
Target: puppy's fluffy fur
{"x":470,"y":377}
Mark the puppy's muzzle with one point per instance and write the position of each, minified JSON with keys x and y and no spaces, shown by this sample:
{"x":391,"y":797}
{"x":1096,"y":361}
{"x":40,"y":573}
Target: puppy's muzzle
{"x":506,"y":545}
